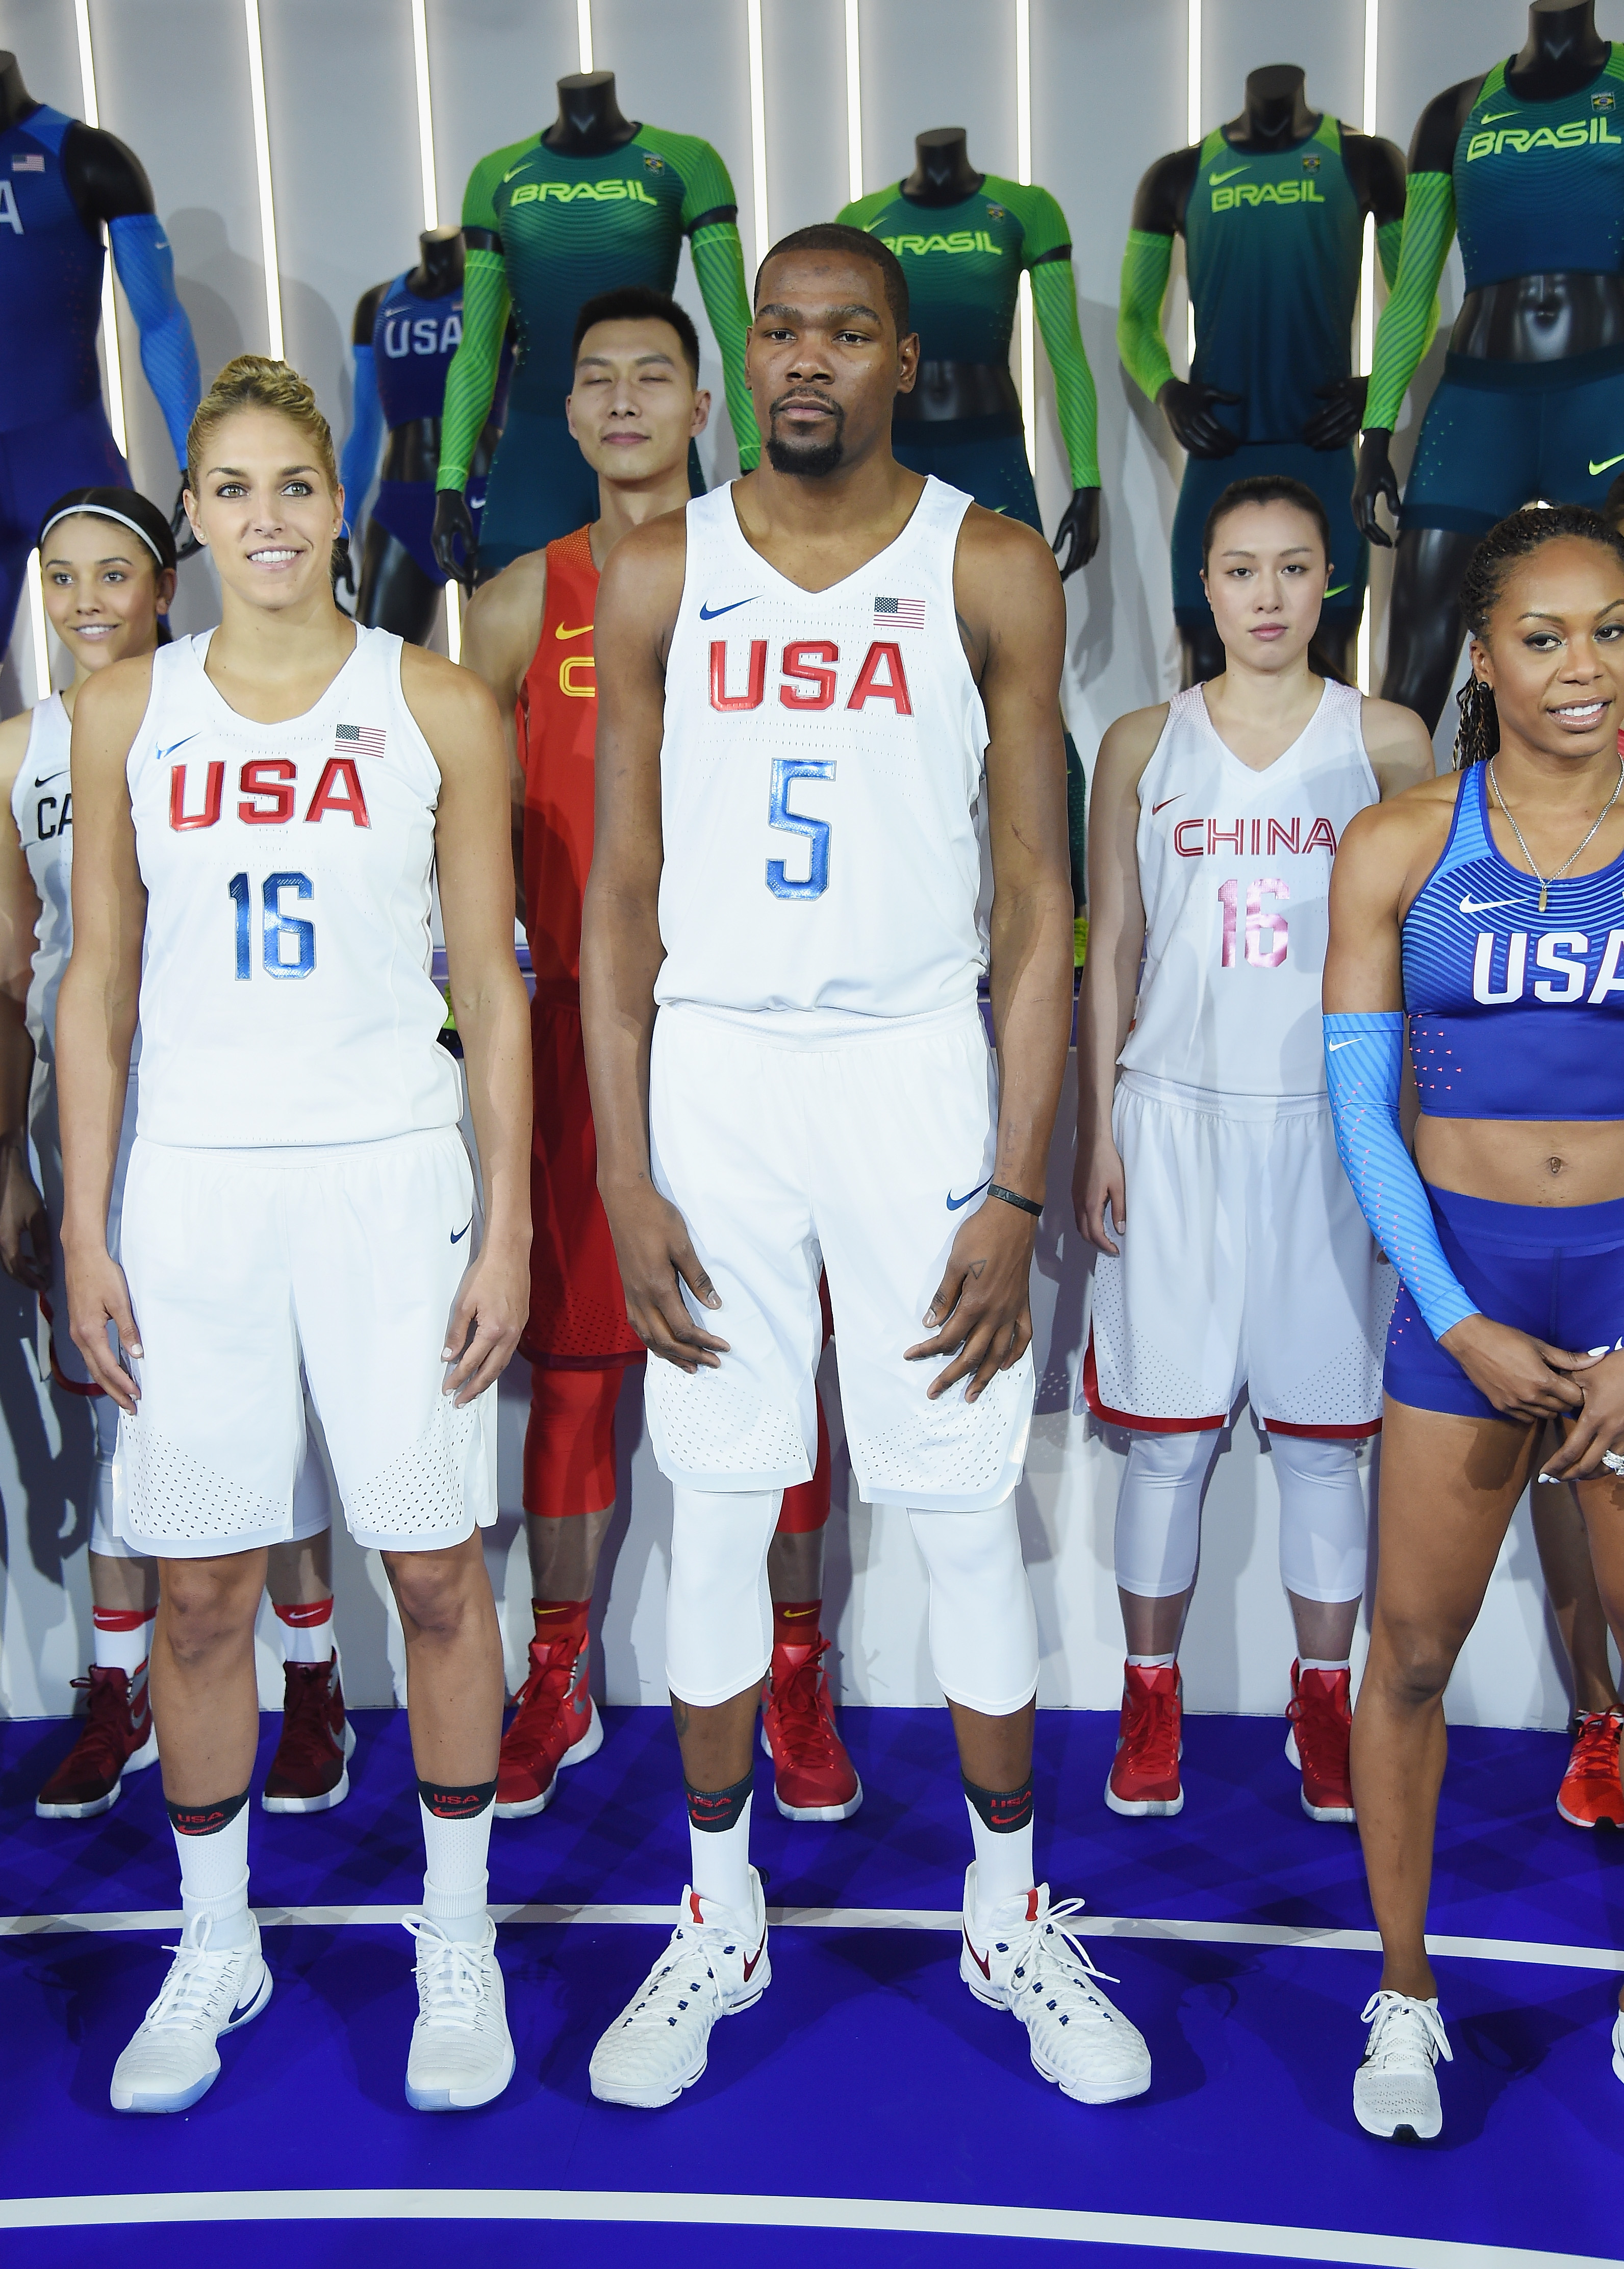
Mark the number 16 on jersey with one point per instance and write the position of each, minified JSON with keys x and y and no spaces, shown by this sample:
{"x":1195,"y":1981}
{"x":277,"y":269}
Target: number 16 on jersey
{"x":287,"y":943}
{"x":1265,"y":934}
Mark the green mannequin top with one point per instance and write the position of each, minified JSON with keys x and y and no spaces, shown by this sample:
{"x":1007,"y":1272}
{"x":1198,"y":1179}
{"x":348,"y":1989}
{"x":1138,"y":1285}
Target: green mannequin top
{"x":551,"y":232}
{"x":963,"y":263}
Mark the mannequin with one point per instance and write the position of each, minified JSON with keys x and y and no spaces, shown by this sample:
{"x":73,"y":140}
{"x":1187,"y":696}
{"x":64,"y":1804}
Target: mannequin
{"x":1536,"y":358}
{"x":1273,"y":279}
{"x":596,"y":201}
{"x":404,"y":336}
{"x":60,"y":181}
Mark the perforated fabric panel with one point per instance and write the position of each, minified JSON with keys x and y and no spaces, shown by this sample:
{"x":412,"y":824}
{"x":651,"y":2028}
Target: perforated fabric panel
{"x":423,"y":1492}
{"x":1135,"y":1374}
{"x":710,"y":1423}
{"x":1346,"y":1390}
{"x":173,"y":1495}
{"x":953,"y":1448}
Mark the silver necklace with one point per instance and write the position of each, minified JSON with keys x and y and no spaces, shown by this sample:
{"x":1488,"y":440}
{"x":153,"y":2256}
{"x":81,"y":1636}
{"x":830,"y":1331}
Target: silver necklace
{"x":1545,"y":880}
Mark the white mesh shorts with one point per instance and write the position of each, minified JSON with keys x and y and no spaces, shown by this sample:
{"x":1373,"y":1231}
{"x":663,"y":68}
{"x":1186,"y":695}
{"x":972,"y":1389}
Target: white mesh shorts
{"x":253,"y":1273}
{"x":1245,"y":1263}
{"x":859,"y":1154}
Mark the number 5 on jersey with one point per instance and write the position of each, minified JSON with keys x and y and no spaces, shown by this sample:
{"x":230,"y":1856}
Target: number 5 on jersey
{"x":786,"y":772}
{"x":287,"y":944}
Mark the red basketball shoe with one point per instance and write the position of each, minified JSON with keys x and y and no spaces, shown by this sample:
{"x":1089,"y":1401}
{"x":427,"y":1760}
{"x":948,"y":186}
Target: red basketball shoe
{"x":310,"y":1772}
{"x":813,"y":1777}
{"x":1590,"y":1795}
{"x":1144,"y":1775}
{"x":118,"y":1738}
{"x":555,"y":1724}
{"x":1321,"y":1714}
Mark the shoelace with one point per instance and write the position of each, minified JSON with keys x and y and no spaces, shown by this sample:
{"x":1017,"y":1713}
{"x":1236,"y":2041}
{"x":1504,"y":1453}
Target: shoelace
{"x":107,"y":1725}
{"x":804,"y":1729}
{"x":1069,"y":1956}
{"x":1318,"y":1726}
{"x":307,"y":1736}
{"x":195,"y":1978}
{"x":1596,"y":1749}
{"x":1153,"y":1737}
{"x":452,"y":1979}
{"x":540,"y":1699}
{"x":672,"y":1974}
{"x":1398,"y":2018}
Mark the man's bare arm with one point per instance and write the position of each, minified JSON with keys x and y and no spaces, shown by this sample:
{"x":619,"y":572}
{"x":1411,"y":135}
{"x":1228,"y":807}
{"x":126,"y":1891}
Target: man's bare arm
{"x":620,"y":947}
{"x":500,"y":631}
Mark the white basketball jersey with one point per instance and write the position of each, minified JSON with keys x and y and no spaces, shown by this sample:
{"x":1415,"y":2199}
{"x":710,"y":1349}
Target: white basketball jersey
{"x":285,"y":993}
{"x":43,"y":807}
{"x":820,"y":780}
{"x":1234,"y":870}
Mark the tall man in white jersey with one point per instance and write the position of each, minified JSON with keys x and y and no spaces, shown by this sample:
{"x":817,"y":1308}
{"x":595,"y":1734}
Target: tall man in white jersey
{"x":823,"y":691}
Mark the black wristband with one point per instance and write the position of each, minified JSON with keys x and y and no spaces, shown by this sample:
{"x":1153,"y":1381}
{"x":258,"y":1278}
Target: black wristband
{"x":1014,"y":1198}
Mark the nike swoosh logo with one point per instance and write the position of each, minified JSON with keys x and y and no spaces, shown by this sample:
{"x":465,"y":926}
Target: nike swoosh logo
{"x":1490,"y":117}
{"x":982,"y":1962}
{"x":1332,"y":1046}
{"x":1484,"y":905}
{"x":709,"y":614}
{"x":520,"y":168}
{"x":61,"y":774}
{"x":563,"y":631}
{"x":955,"y":1203}
{"x":1335,"y":590}
{"x":749,"y":1967}
{"x":1216,"y":181}
{"x":1166,"y":801}
{"x":174,"y":745}
{"x":457,"y":1234}
{"x":1606,"y":464}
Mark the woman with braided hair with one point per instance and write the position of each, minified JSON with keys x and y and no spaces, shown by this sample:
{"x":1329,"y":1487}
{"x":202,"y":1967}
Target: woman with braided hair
{"x":1485,"y":909}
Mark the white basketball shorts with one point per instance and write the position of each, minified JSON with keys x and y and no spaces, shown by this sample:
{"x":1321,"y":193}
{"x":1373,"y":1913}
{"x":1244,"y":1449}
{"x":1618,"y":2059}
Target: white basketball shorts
{"x":253,"y":1273}
{"x":859,"y":1154}
{"x":1245,"y":1263}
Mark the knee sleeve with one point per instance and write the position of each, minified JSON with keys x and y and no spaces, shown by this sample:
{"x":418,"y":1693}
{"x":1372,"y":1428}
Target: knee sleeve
{"x":1159,"y":1511}
{"x":983,"y":1626}
{"x":569,"y":1443}
{"x":1323,"y":1528}
{"x":806,"y":1506}
{"x":718,"y":1614}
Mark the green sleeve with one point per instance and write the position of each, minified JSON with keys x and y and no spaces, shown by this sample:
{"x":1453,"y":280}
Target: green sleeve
{"x":470,"y":382}
{"x":1411,"y":316}
{"x":865,"y":209}
{"x":1389,"y":237}
{"x":719,"y":266}
{"x":1146,"y":265}
{"x":479,"y":198}
{"x":1055,"y":297}
{"x":1043,"y":223}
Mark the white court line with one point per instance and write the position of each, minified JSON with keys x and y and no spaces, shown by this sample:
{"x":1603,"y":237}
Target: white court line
{"x":1537,"y":1952}
{"x":1258,"y":2240}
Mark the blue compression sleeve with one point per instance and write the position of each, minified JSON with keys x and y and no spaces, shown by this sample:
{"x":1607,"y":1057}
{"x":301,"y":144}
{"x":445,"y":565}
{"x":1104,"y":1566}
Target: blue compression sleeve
{"x":1364,"y":1065}
{"x":360,"y":457}
{"x":146,"y":269}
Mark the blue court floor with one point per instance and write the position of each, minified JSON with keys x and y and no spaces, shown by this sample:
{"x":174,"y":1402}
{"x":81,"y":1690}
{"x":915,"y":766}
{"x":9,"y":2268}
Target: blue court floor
{"x":868,"y":2111}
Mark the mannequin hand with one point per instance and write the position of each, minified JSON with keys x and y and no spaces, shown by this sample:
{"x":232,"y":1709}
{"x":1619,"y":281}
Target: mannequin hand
{"x":1077,"y":538}
{"x":657,"y":1258}
{"x":982,"y":1313}
{"x":1522,"y":1376}
{"x":185,"y":542}
{"x":1099,"y":1181}
{"x":1187,"y":407}
{"x":25,"y":1229}
{"x":1375,"y":478}
{"x":451,"y":519}
{"x":1599,"y":1425}
{"x":1342,"y":417}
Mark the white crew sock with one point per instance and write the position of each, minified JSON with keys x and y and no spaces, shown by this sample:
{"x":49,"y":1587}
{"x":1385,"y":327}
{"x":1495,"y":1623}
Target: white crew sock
{"x":214,"y":1872}
{"x":1004,"y":1861}
{"x":122,"y":1637}
{"x":307,"y":1631}
{"x":720,"y":1859}
{"x":1152,"y":1661}
{"x":1306,"y":1662}
{"x":457,"y":1880}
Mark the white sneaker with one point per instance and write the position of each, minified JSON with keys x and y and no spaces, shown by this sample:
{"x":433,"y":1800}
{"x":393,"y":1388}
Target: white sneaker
{"x":173,"y":2058}
{"x":1019,"y":1956}
{"x":1618,"y":2045}
{"x":1395,"y":2088}
{"x":461,"y":2052}
{"x":715,"y":1965}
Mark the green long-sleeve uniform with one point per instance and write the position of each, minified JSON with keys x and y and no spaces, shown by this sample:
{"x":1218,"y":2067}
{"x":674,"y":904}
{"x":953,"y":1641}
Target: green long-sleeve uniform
{"x":548,"y":233}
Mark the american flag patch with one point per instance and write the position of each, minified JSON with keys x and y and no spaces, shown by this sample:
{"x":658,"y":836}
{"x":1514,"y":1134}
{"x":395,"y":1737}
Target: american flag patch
{"x":359,"y":740}
{"x":899,"y":614}
{"x":34,"y":163}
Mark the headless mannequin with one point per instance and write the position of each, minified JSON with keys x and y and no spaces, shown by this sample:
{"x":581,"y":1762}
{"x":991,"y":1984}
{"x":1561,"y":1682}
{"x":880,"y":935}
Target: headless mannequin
{"x":1274,"y":115}
{"x":943,"y":175}
{"x":1541,"y":318}
{"x":589,"y":122}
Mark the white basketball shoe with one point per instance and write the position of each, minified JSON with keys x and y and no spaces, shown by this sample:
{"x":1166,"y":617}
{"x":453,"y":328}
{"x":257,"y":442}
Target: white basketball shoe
{"x":172,"y":2059}
{"x":715,"y":1965}
{"x":1396,"y":2086}
{"x":1019,"y":1955}
{"x":461,"y":2052}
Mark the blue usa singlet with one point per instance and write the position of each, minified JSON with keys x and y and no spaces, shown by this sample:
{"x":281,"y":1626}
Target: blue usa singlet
{"x":50,"y":280}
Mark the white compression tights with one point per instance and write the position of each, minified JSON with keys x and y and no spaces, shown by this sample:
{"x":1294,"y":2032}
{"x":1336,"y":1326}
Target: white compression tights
{"x":1322,"y":1515}
{"x":718,"y":1613}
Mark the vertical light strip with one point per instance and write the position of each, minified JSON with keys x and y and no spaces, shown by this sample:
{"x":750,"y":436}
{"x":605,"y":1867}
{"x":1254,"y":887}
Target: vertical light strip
{"x":1192,"y":121}
{"x":583,"y":33}
{"x":454,"y":621}
{"x":1023,"y":174}
{"x":36,"y":625}
{"x":853,"y":104}
{"x":1367,"y":290}
{"x":758,"y":128}
{"x":425,"y":111}
{"x":109,"y":305}
{"x":261,"y":167}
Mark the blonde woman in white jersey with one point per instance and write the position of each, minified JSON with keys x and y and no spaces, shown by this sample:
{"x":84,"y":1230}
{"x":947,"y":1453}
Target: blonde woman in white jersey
{"x":823,"y":689}
{"x":259,"y":811}
{"x":107,"y":569}
{"x":1232,"y":1254}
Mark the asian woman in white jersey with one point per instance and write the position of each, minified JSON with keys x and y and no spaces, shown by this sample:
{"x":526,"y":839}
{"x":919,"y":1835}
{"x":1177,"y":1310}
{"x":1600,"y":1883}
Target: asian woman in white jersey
{"x":108,"y":568}
{"x":259,"y":813}
{"x":1202,"y":1119}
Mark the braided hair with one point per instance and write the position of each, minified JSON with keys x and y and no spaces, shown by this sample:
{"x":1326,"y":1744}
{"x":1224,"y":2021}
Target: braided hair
{"x":1517,"y":537}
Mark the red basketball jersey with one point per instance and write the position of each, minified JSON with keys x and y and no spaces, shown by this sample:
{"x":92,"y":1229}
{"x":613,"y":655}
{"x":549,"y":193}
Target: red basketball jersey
{"x":557,"y":724}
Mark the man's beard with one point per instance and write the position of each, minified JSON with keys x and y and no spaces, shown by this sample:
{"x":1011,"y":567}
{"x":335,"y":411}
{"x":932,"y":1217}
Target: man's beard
{"x":812,"y":460}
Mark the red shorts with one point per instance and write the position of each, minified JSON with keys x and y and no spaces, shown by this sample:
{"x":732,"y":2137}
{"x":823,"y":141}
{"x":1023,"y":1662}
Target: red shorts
{"x":578,"y":1310}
